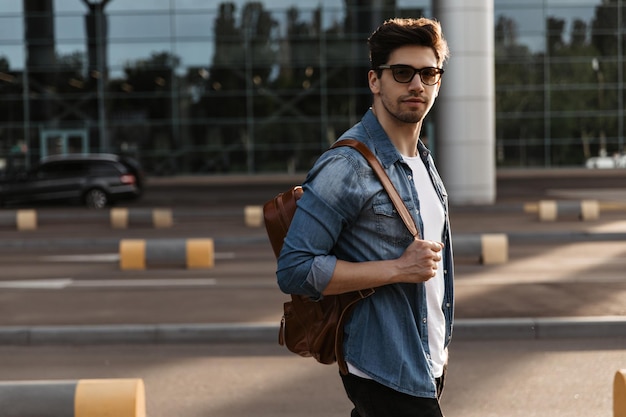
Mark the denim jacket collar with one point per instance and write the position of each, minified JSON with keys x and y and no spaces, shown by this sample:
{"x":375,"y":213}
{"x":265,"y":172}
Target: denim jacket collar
{"x":385,"y":150}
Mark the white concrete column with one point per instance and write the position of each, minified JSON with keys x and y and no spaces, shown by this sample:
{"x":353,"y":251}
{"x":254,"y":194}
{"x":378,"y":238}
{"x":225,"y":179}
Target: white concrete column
{"x":465,"y":109}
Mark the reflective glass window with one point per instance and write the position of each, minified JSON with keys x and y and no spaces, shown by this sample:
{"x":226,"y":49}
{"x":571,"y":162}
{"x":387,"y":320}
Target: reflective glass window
{"x":13,"y":57}
{"x":208,"y":86}
{"x":69,"y":28}
{"x":195,"y":25}
{"x":141,"y":5}
{"x":134,"y":26}
{"x":11,"y":28}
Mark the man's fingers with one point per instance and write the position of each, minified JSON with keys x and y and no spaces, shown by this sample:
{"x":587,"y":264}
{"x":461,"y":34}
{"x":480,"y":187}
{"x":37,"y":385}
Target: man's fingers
{"x":437,"y":246}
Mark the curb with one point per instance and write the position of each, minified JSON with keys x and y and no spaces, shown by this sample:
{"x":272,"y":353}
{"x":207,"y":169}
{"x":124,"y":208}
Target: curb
{"x":139,"y":334}
{"x":540,"y":328}
{"x":465,"y":329}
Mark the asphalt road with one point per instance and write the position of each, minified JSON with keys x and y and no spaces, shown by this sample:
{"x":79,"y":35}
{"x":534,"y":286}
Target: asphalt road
{"x":67,"y":272}
{"x":69,"y":266}
{"x":72,"y":274}
{"x":556,"y":378}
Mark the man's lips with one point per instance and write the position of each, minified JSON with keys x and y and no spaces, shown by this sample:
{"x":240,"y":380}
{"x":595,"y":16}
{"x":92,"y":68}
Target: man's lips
{"x":413,"y":97}
{"x":414,"y":101}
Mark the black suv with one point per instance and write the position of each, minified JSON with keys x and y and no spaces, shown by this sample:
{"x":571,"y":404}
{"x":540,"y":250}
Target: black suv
{"x":95,"y":180}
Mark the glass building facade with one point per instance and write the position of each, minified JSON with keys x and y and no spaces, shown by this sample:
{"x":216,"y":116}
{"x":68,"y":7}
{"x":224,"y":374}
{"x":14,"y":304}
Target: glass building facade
{"x":210,"y":86}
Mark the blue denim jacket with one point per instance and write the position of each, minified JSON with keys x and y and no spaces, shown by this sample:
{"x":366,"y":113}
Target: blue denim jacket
{"x":346,"y":214}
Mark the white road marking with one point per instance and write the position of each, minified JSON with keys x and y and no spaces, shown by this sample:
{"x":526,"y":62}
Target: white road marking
{"x":65,"y":283}
{"x":37,"y":284}
{"x":117,"y":283}
{"x":102,"y":257}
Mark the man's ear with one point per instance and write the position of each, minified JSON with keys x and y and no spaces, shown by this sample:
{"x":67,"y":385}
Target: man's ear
{"x":373,"y":81}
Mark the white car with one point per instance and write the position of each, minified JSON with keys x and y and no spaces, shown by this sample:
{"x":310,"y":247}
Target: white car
{"x":607,"y":162}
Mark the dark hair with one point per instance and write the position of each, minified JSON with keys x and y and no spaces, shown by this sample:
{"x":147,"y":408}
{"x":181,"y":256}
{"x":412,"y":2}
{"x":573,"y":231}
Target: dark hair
{"x":395,"y":33}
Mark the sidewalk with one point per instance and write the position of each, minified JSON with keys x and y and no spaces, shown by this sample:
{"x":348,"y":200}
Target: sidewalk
{"x":563,"y":279}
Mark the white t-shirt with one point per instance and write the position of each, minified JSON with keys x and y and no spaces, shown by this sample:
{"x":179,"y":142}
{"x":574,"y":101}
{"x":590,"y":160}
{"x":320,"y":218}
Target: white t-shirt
{"x":433,"y":219}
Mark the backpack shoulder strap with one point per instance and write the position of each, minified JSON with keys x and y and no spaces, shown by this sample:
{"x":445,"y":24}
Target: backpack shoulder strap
{"x":385,"y":180}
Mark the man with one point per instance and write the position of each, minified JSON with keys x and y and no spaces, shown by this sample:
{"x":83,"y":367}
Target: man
{"x":346,"y":235}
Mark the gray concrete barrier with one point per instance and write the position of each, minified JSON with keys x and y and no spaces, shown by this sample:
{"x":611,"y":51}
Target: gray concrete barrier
{"x":550,"y":210}
{"x":23,"y":219}
{"x":122,"y":218}
{"x":189,"y":253}
{"x":82,"y":398}
{"x":488,"y":249}
{"x":619,"y":394}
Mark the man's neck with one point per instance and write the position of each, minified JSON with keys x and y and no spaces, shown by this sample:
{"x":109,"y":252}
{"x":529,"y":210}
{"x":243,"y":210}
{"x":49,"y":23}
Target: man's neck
{"x":404,"y":136}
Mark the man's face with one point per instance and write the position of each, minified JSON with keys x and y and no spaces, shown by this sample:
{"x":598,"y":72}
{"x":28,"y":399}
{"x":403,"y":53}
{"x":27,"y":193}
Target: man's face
{"x":406,"y":102}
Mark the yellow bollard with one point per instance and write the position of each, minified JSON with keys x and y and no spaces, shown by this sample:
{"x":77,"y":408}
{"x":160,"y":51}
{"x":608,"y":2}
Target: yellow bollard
{"x":495,"y":249}
{"x":200,"y":253}
{"x":26,"y":219}
{"x":531,"y":208}
{"x":133,"y":254}
{"x":253,"y":216}
{"x":162,"y":218}
{"x":119,"y":218}
{"x":619,"y":394}
{"x":589,"y":210}
{"x":70,"y":398}
{"x":192,"y":253}
{"x":547,"y":210}
{"x":108,"y":398}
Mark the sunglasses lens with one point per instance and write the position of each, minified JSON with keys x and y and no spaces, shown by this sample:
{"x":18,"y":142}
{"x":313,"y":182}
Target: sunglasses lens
{"x":403,"y":74}
{"x":429,"y":76}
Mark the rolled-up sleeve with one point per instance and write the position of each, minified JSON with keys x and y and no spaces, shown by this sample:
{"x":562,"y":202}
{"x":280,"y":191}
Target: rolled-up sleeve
{"x":306,"y":262}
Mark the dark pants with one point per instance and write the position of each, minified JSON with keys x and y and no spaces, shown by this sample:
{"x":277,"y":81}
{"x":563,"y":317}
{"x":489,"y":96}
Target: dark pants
{"x":372,"y":399}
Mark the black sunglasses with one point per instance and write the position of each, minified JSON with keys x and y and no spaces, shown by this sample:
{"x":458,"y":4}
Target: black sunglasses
{"x":405,"y":73}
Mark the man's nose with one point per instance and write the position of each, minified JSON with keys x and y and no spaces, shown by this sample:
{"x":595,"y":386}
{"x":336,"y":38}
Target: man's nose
{"x":416,"y":83}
